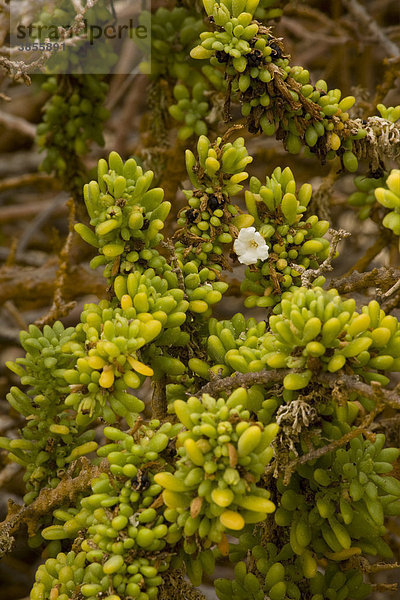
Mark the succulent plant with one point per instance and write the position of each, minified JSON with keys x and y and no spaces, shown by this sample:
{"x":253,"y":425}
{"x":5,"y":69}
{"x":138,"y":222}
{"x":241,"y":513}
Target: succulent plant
{"x":308,"y":115}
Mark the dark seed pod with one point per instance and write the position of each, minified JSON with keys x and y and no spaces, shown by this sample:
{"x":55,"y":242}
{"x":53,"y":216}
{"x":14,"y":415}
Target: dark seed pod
{"x":192,"y":214}
{"x":276,"y":50}
{"x":222,"y":56}
{"x":255,"y":58}
{"x":214,"y":202}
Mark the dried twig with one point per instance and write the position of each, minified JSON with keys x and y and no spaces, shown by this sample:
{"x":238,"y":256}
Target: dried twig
{"x":367,"y":24}
{"x":308,"y":275}
{"x":372,"y":252}
{"x":18,"y":124}
{"x":350,"y":383}
{"x":379,"y":278}
{"x":227,"y":384}
{"x":17,"y":212}
{"x":12,"y":183}
{"x":392,"y":290}
{"x":27,"y":284}
{"x":159,"y":404}
{"x":168,"y":245}
{"x":384,"y":587}
{"x":15,"y":314}
{"x":290,"y":468}
{"x":176,"y":587}
{"x":362,"y":563}
{"x":38,"y":221}
{"x":60,"y":308}
{"x":67,"y":491}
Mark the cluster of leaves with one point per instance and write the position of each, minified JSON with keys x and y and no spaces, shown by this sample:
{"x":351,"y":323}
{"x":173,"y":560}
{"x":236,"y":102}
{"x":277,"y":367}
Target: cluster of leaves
{"x":247,"y":398}
{"x":70,"y":123}
{"x":75,"y":113}
{"x":219,"y":466}
{"x":173,"y":34}
{"x":215,"y":483}
{"x":373,"y":193}
{"x":275,"y":97}
{"x":123,"y":521}
{"x":51,"y":438}
{"x":83,"y":56}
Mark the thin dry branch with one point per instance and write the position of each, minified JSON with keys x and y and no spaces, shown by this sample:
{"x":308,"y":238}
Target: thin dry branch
{"x":308,"y":275}
{"x":60,"y":308}
{"x":67,"y":491}
{"x":377,"y":247}
{"x":348,"y":383}
{"x":227,"y":384}
{"x":16,"y":212}
{"x":168,"y":245}
{"x":351,"y":383}
{"x":176,"y":587}
{"x":37,"y":285}
{"x":159,"y":403}
{"x":290,"y":468}
{"x":362,"y":563}
{"x":383,"y":278}
{"x":367,"y":24}
{"x":18,"y":124}
{"x":40,"y":219}
{"x":12,"y":183}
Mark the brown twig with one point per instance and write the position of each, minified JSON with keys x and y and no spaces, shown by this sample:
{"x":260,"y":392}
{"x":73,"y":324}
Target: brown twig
{"x":67,"y":491}
{"x":168,"y":245}
{"x":18,"y":124}
{"x":308,"y":275}
{"x":382,"y":277}
{"x":227,"y":384}
{"x":39,"y":220}
{"x":367,"y":567}
{"x":176,"y":587}
{"x":369,"y":25}
{"x":37,"y":285}
{"x":321,"y":198}
{"x":60,"y":308}
{"x":15,"y":314}
{"x":159,"y":404}
{"x":384,"y":587}
{"x":318,"y":452}
{"x":12,"y":183}
{"x":25,"y":211}
{"x":350,"y":383}
{"x":371,"y":253}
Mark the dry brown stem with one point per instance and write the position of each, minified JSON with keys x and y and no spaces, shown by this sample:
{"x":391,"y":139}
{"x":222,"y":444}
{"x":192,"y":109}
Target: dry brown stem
{"x":290,"y":468}
{"x":372,"y":252}
{"x":60,"y":307}
{"x":308,"y":275}
{"x":382,"y":278}
{"x":27,"y":285}
{"x":67,"y":491}
{"x":367,"y":24}
{"x":347,"y":383}
{"x":12,"y":183}
{"x":159,"y":400}
{"x":176,"y":587}
{"x":18,"y":124}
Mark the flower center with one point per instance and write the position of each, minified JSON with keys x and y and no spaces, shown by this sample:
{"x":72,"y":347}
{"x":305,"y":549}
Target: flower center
{"x":253,"y":244}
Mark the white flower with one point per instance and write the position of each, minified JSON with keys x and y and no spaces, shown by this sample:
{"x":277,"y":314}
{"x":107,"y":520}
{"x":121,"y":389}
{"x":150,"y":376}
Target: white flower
{"x":250,"y":246}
